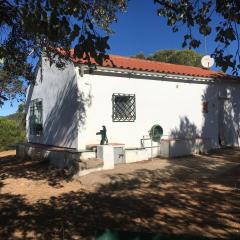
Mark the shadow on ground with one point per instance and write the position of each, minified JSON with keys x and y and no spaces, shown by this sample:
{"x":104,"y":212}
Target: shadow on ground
{"x":10,"y":167}
{"x":174,"y":200}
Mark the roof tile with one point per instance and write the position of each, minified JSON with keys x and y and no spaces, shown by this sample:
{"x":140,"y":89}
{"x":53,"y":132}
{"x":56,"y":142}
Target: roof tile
{"x":129,"y":63}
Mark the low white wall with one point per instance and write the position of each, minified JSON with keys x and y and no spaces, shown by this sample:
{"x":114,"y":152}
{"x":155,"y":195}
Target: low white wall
{"x":184,"y":147}
{"x":59,"y":159}
{"x":136,"y":155}
{"x":87,"y":154}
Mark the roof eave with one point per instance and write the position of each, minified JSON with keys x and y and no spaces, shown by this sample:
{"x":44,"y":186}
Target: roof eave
{"x":99,"y":70}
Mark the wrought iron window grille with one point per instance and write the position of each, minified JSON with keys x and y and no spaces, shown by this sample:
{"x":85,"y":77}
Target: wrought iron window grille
{"x":123,"y":107}
{"x":35,"y":117}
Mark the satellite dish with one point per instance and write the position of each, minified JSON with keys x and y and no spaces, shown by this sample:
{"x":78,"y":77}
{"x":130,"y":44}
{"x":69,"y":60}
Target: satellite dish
{"x":207,"y":61}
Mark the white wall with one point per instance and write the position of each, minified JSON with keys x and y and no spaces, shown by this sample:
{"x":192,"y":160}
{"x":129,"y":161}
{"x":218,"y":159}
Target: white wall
{"x":176,"y":106}
{"x":75,"y":108}
{"x":157,"y":102}
{"x":59,"y":93}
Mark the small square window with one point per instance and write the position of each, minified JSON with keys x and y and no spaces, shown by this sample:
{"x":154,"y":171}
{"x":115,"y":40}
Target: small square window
{"x":124,"y":107}
{"x":35,"y":117}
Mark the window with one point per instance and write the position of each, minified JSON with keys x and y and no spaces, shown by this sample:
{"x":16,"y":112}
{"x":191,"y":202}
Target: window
{"x":124,"y":107}
{"x":205,"y":107}
{"x":35,"y":118}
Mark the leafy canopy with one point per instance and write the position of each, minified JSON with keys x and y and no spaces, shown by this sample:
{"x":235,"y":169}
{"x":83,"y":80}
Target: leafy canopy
{"x":29,"y":27}
{"x":220,"y":18}
{"x":182,"y":57}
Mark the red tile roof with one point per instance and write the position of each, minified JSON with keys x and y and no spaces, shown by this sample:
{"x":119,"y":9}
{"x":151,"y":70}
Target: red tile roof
{"x":136,"y":64}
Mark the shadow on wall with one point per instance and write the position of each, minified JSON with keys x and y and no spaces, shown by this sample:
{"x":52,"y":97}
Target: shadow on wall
{"x":221,"y":116}
{"x":221,"y":121}
{"x":69,"y":111}
{"x":186,"y":129}
{"x":188,"y":133}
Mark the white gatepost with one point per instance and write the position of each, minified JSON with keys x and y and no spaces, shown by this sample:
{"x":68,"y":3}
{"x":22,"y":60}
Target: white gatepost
{"x":106,"y":153}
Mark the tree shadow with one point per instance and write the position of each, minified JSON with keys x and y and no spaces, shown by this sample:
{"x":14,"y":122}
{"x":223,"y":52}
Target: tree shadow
{"x":187,"y":132}
{"x":11,"y":167}
{"x":65,"y":110}
{"x":221,"y":121}
{"x":60,"y":126}
{"x":186,"y":129}
{"x":170,"y":201}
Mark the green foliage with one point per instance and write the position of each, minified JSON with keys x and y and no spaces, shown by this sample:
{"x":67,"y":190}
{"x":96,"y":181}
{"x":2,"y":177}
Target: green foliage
{"x":19,"y":118}
{"x":11,"y":133}
{"x":220,"y":17}
{"x":31,"y":28}
{"x":21,"y":108}
{"x":182,"y":57}
{"x":139,"y":55}
{"x":11,"y":87}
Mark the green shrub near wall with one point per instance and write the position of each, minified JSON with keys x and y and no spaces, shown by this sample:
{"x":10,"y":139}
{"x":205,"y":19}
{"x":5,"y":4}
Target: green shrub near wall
{"x":11,"y":133}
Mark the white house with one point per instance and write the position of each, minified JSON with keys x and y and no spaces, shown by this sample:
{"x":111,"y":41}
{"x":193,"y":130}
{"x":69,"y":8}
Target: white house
{"x":66,"y":108}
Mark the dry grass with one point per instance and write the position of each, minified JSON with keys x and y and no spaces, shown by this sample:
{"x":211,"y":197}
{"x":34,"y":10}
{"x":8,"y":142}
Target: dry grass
{"x":195,"y":196}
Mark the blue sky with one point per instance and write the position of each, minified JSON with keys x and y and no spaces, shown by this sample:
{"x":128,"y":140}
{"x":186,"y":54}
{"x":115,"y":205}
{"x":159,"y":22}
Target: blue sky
{"x":138,"y":30}
{"x":141,"y":29}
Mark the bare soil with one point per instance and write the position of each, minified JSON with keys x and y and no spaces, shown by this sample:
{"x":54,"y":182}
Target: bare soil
{"x":191,"y":196}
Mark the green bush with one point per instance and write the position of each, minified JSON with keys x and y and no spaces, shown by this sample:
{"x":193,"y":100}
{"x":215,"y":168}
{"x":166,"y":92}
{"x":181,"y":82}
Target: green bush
{"x":11,"y":133}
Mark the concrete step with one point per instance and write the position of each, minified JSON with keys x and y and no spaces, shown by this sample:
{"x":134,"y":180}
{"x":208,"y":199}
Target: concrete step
{"x":90,"y":164}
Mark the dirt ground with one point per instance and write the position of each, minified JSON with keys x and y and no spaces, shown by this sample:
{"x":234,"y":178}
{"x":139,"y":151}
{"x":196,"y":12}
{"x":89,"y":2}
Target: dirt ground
{"x":191,"y":196}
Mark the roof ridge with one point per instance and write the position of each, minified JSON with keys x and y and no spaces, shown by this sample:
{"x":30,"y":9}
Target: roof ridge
{"x":160,"y":62}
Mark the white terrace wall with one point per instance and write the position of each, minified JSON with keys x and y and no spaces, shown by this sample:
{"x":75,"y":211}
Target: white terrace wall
{"x":59,"y":93}
{"x":176,"y":106}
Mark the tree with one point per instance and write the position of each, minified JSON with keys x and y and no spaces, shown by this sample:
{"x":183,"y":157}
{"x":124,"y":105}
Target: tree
{"x":219,"y":17}
{"x":11,"y":87}
{"x":11,"y":133}
{"x":139,"y":55}
{"x":182,"y":57}
{"x":30,"y":27}
{"x":21,"y":108}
